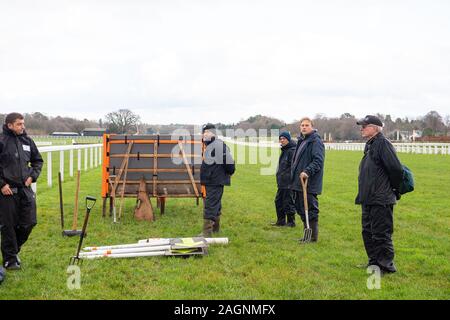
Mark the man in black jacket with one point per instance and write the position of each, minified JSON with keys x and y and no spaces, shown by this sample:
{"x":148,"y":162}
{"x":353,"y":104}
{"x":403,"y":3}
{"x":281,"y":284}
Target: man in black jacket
{"x":20,"y":166}
{"x":284,"y":200}
{"x":215,"y":173}
{"x":380,"y":175}
{"x":308,"y":163}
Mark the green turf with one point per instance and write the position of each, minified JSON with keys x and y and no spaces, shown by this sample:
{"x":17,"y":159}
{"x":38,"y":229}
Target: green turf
{"x":260,"y":262}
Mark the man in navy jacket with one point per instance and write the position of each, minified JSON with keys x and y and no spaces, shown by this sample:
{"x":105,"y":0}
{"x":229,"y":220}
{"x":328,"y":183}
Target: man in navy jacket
{"x":215,"y":173}
{"x":307,"y":163}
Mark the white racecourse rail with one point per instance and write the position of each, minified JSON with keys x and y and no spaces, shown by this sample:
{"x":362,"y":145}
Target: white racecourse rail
{"x":422,"y":148}
{"x":92,"y":158}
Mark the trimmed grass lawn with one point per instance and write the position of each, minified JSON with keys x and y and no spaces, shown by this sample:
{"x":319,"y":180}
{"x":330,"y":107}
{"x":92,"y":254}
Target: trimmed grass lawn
{"x":260,"y":262}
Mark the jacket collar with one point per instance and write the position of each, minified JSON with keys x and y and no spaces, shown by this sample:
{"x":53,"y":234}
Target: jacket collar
{"x":11,"y":133}
{"x":308,"y":137}
{"x":375,"y":137}
{"x":291,"y":144}
{"x":209,"y":142}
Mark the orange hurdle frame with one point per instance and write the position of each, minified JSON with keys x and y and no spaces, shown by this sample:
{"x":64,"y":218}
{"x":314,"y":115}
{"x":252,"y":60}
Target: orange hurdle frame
{"x":170,"y":167}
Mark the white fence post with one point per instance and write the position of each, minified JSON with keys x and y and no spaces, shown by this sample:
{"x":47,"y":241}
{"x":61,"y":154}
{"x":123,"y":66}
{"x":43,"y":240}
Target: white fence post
{"x":49,"y":169}
{"x":91,"y":158}
{"x":95,"y":156}
{"x":50,"y":149}
{"x":85,"y":159}
{"x":79,"y":160}
{"x":61,"y":164}
{"x":71,"y":162}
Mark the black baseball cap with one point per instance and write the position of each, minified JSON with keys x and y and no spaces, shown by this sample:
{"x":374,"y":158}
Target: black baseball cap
{"x":370,"y":120}
{"x":208,"y":126}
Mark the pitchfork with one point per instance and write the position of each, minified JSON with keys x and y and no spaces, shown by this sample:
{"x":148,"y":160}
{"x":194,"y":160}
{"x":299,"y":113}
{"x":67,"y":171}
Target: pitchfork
{"x":308,"y":231}
{"x":90,"y":203}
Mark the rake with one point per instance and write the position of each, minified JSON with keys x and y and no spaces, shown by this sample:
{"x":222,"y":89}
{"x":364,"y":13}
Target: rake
{"x":308,"y":231}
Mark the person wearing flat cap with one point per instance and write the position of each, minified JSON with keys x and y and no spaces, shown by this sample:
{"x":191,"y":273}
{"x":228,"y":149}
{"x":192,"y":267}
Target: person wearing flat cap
{"x":215,"y":173}
{"x":380,"y":175}
{"x":284,"y":200}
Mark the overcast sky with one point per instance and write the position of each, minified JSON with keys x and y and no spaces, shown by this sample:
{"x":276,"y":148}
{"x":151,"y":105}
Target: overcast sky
{"x":197,"y":61}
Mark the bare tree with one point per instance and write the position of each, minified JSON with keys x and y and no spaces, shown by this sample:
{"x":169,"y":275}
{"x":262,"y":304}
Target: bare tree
{"x":433,"y":121}
{"x":122,"y":121}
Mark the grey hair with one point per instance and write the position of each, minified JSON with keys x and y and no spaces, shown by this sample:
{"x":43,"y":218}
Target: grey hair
{"x":379,"y":129}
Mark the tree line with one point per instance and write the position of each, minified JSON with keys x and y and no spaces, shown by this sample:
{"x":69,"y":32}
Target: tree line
{"x":341,"y":128}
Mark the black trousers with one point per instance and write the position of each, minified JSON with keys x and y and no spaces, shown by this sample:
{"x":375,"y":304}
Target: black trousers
{"x":17,"y":217}
{"x":377,"y":230}
{"x":213,"y":202}
{"x":313,"y":206}
{"x":285,"y":205}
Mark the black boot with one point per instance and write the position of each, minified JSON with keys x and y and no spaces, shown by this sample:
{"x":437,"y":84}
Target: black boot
{"x":291,"y":220}
{"x":207,"y":228}
{"x":216,"y":227}
{"x":279,"y":223}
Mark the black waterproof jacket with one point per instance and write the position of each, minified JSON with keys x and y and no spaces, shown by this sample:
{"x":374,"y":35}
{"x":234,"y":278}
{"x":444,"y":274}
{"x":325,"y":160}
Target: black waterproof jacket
{"x":308,"y":157}
{"x":19,"y":159}
{"x":284,"y":165}
{"x":380,"y":173}
{"x":218,"y":164}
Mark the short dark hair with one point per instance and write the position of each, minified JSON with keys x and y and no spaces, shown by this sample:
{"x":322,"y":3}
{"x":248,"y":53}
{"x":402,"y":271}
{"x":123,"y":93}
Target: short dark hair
{"x":12,"y":117}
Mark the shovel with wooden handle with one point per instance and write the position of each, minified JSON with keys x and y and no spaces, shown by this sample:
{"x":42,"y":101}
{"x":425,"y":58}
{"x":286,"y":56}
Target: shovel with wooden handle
{"x":308,"y":231}
{"x":74,"y":231}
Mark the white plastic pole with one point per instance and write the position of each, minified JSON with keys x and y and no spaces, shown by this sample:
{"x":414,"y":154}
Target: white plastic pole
{"x":130,"y":255}
{"x":208,"y":240}
{"x":121,"y":251}
{"x":162,"y":242}
{"x":151,"y":243}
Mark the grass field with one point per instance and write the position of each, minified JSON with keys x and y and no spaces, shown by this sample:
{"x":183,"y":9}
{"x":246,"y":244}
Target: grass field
{"x":260,"y":262}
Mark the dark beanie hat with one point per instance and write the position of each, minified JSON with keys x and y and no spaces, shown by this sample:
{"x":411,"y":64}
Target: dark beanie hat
{"x":285,"y":134}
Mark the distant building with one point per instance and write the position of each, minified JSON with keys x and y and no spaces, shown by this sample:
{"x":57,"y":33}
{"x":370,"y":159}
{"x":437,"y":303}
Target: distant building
{"x":93,"y":132}
{"x":65,"y":134}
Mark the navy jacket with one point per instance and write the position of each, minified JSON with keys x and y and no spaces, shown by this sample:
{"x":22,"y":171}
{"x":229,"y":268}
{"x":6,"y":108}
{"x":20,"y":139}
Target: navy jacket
{"x":218,"y":165}
{"x":380,"y":173}
{"x":284,"y":165}
{"x":309,"y":157}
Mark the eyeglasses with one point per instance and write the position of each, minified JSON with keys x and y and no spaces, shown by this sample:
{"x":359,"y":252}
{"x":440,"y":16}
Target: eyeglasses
{"x":366,"y":126}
